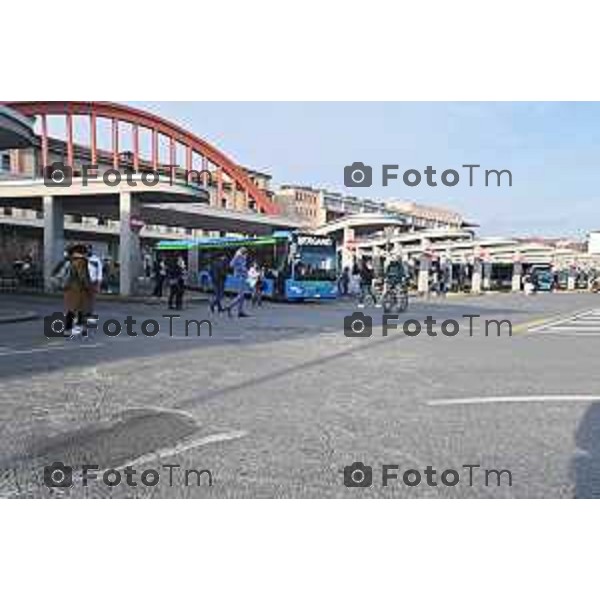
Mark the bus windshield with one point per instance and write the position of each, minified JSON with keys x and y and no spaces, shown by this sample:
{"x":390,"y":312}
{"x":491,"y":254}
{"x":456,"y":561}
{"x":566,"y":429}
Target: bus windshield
{"x":316,"y":263}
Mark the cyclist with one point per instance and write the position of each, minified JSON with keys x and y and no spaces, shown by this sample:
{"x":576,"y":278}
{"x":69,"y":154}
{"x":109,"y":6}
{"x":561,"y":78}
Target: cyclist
{"x":366,"y":282}
{"x":394,"y":292}
{"x":394,"y":272}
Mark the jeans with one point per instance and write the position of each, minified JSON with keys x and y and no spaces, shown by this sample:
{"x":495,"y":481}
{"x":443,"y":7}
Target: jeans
{"x":217,"y":299}
{"x":366,"y":290}
{"x":238,"y":301}
{"x":176,"y":295}
{"x":158,"y":286}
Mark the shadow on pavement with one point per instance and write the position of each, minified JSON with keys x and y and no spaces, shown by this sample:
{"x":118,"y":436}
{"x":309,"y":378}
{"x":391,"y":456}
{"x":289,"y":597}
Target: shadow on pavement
{"x":271,"y":323}
{"x":586,"y":462}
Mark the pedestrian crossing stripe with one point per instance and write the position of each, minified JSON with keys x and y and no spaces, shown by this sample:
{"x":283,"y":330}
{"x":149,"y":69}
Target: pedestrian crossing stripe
{"x":583,"y":323}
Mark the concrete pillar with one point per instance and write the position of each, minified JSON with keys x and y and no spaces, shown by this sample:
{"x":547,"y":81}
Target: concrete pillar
{"x":477,"y":276}
{"x":15,"y":162}
{"x":516,"y":277}
{"x":128,"y":245}
{"x":487,"y":275}
{"x":423,"y":280}
{"x":378,"y":264}
{"x":192,"y":265}
{"x":347,"y":253}
{"x":571,"y":279}
{"x":54,"y":236}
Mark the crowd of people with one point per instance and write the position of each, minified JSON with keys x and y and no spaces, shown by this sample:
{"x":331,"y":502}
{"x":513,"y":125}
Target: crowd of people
{"x":173,"y":271}
{"x":369,"y":278}
{"x":82,"y":275}
{"x":366,"y":276}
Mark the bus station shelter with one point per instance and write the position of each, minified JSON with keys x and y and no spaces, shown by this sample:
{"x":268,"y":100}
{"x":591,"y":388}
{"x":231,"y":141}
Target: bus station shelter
{"x":167,"y":202}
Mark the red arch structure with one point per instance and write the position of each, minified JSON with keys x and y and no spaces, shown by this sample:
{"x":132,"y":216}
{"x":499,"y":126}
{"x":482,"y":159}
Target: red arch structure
{"x":118,"y":113}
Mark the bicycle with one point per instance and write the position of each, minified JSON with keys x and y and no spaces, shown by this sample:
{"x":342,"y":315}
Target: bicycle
{"x":394,"y":298}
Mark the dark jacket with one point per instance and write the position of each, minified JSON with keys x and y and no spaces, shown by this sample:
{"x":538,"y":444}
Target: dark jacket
{"x":366,"y":273}
{"x":394,"y":272}
{"x":174,"y":273}
{"x":218,"y":271}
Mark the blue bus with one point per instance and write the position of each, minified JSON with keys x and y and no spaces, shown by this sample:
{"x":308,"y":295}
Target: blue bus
{"x":542,"y":277}
{"x":297,"y":266}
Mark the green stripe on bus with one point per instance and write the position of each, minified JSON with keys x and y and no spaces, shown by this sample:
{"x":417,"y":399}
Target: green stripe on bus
{"x":187,"y":246}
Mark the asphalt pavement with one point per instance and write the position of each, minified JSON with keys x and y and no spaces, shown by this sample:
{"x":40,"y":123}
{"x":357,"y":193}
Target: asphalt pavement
{"x":280,"y":404}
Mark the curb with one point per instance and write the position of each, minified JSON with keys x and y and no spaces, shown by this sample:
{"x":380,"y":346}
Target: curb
{"x":149,"y":300}
{"x":19,"y":317}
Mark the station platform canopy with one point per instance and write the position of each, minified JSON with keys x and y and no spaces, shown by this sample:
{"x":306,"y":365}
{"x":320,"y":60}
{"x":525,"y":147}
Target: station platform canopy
{"x":167,"y":203}
{"x":16,"y":131}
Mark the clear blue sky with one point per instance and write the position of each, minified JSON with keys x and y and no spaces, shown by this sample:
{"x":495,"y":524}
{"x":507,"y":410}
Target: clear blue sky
{"x":552,"y":149}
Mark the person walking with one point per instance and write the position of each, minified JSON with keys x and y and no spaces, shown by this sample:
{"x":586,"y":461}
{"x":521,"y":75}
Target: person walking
{"x":345,"y":281}
{"x":160,"y":274}
{"x":176,"y":278}
{"x":445,"y":277}
{"x":239,"y":265}
{"x":366,"y":282}
{"x":218,"y":274}
{"x":96,"y":272}
{"x":74,"y":274}
{"x":255,"y":281}
{"x":106,"y":274}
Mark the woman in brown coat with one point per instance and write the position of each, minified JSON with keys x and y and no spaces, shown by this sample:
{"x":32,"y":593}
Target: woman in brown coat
{"x":77,"y":287}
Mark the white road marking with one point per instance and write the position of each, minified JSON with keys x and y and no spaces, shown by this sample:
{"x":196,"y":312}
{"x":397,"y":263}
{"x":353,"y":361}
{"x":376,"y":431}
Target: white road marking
{"x":574,"y":326}
{"x":583,"y":453}
{"x":570,"y":333}
{"x":16,"y":352}
{"x":501,"y":399}
{"x":163,"y":409}
{"x":585,"y":322}
{"x":161,"y":453}
{"x":183,"y":447}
